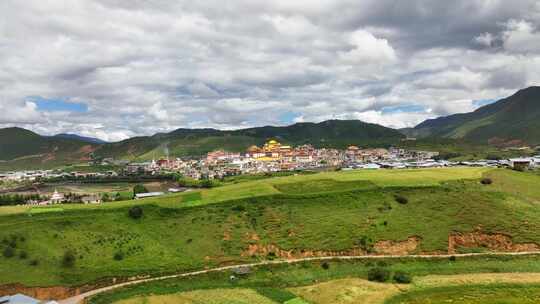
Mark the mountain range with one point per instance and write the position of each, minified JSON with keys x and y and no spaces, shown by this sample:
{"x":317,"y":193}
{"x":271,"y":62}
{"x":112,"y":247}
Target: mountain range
{"x":509,"y":121}
{"x":514,"y":120}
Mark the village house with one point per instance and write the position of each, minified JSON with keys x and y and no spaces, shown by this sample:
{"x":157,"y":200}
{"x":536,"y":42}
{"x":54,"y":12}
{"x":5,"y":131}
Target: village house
{"x":521,"y":163}
{"x":22,"y":299}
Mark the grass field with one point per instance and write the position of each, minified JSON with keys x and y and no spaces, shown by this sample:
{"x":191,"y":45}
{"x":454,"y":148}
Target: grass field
{"x":343,"y":281}
{"x":213,"y":296}
{"x":316,"y":214}
{"x":473,"y":294}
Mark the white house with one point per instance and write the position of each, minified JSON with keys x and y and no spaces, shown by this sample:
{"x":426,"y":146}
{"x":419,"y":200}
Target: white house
{"x":22,"y":299}
{"x":149,"y":194}
{"x":521,"y":163}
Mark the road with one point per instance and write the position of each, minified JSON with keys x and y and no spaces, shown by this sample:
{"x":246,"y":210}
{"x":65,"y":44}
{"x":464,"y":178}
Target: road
{"x":79,"y":298}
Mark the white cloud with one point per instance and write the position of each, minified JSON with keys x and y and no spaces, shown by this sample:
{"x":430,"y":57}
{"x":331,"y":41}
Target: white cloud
{"x":521,"y":36}
{"x":368,"y":49}
{"x":149,"y":67}
{"x":485,"y":39}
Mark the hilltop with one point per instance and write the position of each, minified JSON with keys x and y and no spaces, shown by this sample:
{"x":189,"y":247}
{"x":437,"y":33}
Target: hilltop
{"x":509,"y":121}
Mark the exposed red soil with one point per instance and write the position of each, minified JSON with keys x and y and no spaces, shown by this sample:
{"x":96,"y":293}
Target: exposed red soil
{"x":397,"y":248}
{"x":380,"y":248}
{"x":60,"y":292}
{"x":493,"y":242}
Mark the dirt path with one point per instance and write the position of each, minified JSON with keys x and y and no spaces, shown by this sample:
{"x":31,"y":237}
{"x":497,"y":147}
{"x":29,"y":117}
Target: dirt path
{"x":79,"y":298}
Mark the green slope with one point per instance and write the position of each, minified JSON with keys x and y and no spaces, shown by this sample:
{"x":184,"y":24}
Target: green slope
{"x":22,"y":149}
{"x":195,"y":142}
{"x":339,"y":211}
{"x":513,"y":119}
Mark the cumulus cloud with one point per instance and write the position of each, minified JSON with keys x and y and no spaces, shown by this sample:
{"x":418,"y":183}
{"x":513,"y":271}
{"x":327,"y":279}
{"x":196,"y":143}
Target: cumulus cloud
{"x":147,"y":67}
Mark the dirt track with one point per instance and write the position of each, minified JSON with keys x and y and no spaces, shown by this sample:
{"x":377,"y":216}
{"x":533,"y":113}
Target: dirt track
{"x":79,"y":298}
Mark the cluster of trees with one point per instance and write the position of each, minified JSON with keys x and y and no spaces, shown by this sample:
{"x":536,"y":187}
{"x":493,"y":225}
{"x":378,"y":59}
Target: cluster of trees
{"x":105,"y":197}
{"x":18,"y":199}
{"x":193,"y":183}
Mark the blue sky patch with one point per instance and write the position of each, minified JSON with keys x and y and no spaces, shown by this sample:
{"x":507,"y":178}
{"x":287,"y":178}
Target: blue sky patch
{"x":57,"y":104}
{"x":404,"y":108}
{"x":288,"y":117}
{"x":483,"y":102}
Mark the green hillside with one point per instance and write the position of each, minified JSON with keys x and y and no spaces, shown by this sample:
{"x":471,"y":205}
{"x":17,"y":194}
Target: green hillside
{"x":25,"y":149}
{"x":21,"y":148}
{"x":195,"y":142}
{"x":515,"y":119}
{"x":346,"y":213}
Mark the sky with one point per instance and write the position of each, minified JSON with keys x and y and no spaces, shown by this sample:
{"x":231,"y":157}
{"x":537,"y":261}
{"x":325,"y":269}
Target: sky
{"x":114,"y":69}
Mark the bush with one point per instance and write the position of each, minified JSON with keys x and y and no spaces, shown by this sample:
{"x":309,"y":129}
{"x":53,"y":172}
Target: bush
{"x":23,"y":255}
{"x":118,"y":256}
{"x":139,"y":188}
{"x":486,"y":181}
{"x":238,"y":208}
{"x":402,"y":277}
{"x":378,"y":274}
{"x":8,"y":252}
{"x":366,"y":244}
{"x":34,"y":262}
{"x":135,"y":212}
{"x":401,"y":199}
{"x":68,"y":260}
{"x":452,"y":258}
{"x":325,"y":266}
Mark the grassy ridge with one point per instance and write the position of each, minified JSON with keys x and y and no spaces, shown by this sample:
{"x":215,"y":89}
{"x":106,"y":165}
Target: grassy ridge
{"x":336,"y":215}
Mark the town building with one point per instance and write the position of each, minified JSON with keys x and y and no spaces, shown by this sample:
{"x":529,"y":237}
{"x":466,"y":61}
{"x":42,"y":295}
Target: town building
{"x":22,"y":299}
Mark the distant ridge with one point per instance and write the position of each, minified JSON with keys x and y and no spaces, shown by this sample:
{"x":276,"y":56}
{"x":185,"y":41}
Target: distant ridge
{"x":44,"y":151}
{"x":193,"y":142}
{"x":91,"y":140}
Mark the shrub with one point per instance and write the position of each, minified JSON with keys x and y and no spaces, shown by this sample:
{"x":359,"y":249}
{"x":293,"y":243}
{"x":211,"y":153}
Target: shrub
{"x":34,"y":262}
{"x":325,"y":266}
{"x":486,"y":181}
{"x":366,"y":243}
{"x":139,"y":188}
{"x":378,"y":274}
{"x":135,"y":212}
{"x":23,"y":255}
{"x":402,"y":277}
{"x":68,"y":260}
{"x":8,"y":252}
{"x":452,"y":258}
{"x":118,"y":256}
{"x":401,"y":199}
{"x":238,"y":208}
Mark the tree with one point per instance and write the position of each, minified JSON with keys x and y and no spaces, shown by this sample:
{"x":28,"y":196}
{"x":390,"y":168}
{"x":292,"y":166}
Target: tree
{"x":9,"y":252}
{"x":378,"y":274}
{"x":117,"y":197}
{"x":139,"y":188}
{"x":105,"y":198}
{"x":401,"y":199}
{"x":402,"y":277}
{"x":135,"y":212}
{"x":68,"y":260}
{"x":206,"y":183}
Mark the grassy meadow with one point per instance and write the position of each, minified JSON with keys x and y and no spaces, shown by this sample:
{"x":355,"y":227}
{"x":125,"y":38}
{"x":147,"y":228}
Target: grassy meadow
{"x":339,"y":282}
{"x":319,"y":214}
